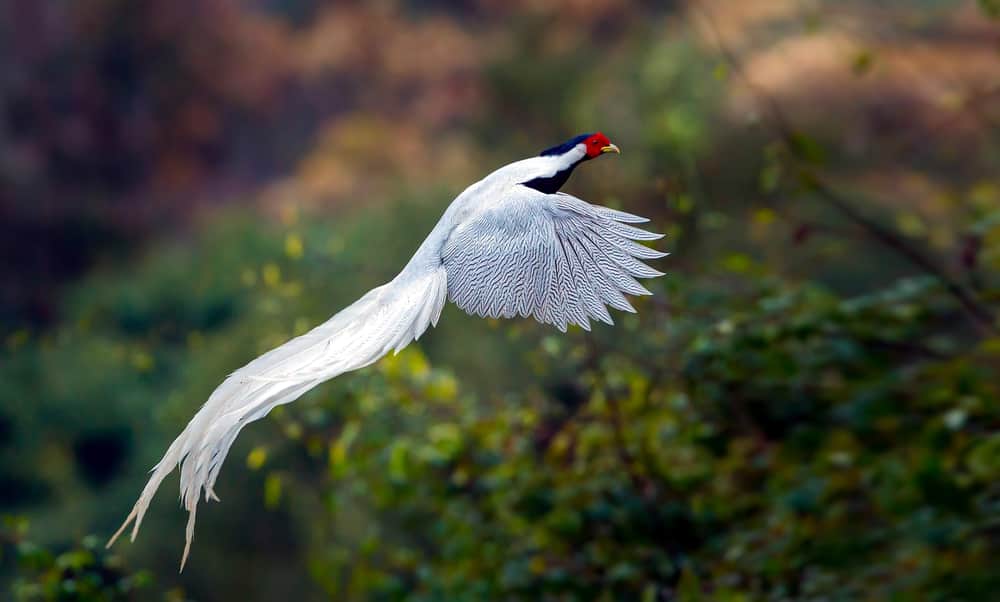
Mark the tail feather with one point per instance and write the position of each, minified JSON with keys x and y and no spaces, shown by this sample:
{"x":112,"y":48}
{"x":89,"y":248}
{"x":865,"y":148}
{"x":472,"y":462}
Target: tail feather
{"x":387,"y":318}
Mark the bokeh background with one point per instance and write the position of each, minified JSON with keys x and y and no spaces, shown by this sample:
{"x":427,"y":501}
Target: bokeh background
{"x":807,"y":409}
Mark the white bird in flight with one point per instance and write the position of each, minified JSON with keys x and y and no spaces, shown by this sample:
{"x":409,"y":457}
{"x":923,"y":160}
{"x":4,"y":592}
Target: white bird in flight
{"x":509,"y":245}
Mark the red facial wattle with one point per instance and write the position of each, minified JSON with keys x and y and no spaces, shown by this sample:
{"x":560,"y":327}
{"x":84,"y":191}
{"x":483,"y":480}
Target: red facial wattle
{"x":598,"y":144}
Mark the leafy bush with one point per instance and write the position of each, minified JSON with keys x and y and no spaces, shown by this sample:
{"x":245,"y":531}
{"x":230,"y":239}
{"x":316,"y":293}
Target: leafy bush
{"x":82,"y":573}
{"x":802,"y":447}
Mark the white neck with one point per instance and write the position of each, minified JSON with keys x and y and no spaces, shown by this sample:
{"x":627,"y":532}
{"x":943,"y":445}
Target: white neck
{"x":541,"y":166}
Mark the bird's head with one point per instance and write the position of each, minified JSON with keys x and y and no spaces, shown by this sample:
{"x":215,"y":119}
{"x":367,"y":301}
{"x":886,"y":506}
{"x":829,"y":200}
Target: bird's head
{"x":598,"y":144}
{"x":558,"y":162}
{"x":594,"y":145}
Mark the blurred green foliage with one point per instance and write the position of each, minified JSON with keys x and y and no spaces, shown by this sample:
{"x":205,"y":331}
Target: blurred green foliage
{"x":804,"y":447}
{"x":798,"y":413}
{"x":84,"y":572}
{"x":743,"y":436}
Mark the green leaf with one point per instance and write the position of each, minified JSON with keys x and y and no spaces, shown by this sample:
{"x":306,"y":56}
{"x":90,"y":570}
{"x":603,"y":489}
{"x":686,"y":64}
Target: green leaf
{"x":398,"y":460}
{"x":806,"y":148}
{"x":446,"y":438}
{"x":272,"y":491}
{"x":984,"y":459}
{"x":689,"y":587}
{"x":862,"y":62}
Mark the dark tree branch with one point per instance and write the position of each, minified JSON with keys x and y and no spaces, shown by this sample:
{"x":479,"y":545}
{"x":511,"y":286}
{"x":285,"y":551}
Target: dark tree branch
{"x":980,"y":316}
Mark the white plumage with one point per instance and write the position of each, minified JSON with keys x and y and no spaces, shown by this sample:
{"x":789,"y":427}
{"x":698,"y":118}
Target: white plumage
{"x":503,"y":248}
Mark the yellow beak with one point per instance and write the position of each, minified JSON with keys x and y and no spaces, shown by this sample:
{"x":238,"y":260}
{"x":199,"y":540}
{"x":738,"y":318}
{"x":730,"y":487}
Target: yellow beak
{"x":611,"y":148}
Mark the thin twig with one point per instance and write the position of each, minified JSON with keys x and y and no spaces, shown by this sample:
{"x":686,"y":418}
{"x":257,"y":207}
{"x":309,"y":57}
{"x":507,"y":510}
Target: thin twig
{"x":980,"y":316}
{"x":641,"y":484}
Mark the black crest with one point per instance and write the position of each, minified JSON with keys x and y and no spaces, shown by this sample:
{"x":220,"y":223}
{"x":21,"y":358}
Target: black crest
{"x":554,"y":182}
{"x":565,"y":146}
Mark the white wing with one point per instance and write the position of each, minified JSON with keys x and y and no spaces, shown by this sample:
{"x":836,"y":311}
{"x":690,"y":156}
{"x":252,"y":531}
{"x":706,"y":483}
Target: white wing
{"x":551,"y":256}
{"x":385,"y":319}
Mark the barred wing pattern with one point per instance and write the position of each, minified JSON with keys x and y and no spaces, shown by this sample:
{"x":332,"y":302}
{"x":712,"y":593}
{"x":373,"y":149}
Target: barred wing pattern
{"x":551,"y":256}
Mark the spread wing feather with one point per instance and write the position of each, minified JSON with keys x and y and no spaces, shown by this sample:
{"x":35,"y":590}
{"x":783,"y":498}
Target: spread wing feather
{"x":551,"y":256}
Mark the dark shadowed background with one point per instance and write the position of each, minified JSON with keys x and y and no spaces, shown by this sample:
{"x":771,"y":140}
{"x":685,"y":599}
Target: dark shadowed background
{"x":808,"y":408}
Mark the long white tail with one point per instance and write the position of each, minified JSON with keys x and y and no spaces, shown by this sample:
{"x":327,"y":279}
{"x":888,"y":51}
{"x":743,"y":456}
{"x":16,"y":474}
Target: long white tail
{"x":386,"y":318}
